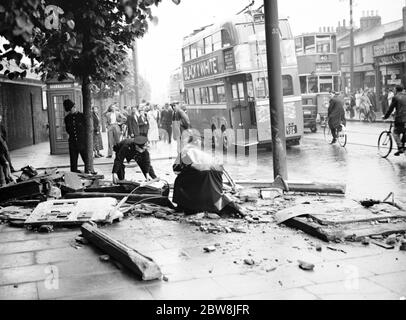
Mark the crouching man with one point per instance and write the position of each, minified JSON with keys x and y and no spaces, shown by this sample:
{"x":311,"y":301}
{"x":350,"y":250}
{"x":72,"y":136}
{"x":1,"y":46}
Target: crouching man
{"x":130,"y":149}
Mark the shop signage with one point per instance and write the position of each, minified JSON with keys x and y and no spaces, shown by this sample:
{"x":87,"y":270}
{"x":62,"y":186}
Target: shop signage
{"x":392,"y":59}
{"x":388,"y":48}
{"x":323,"y":67}
{"x":201,"y":69}
{"x":229,"y":60}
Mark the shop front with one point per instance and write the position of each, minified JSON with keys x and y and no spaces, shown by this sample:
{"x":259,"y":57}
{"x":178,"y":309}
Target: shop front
{"x":392,"y":69}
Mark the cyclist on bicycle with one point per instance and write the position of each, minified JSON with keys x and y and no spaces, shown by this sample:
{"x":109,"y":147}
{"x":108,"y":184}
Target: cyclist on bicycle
{"x":399,"y":103}
{"x":336,"y":115}
{"x":365,"y":103}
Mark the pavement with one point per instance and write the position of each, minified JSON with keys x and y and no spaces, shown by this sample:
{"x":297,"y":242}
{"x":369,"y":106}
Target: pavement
{"x":48,"y":266}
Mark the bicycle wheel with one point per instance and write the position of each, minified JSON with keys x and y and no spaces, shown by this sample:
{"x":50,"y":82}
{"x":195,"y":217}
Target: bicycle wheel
{"x":327,"y":133}
{"x":385,"y":144}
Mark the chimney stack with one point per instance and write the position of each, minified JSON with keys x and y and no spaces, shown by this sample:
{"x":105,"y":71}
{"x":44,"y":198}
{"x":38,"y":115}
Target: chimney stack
{"x":370,"y":20}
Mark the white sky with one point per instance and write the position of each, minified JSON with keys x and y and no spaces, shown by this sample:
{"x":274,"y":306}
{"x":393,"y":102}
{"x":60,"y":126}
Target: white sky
{"x":159,"y":50}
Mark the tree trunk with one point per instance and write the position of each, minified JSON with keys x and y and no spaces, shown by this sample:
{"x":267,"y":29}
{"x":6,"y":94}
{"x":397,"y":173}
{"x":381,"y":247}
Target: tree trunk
{"x":87,"y":111}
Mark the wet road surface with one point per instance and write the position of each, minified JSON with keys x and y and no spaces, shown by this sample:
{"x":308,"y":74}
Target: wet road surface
{"x":358,"y":165}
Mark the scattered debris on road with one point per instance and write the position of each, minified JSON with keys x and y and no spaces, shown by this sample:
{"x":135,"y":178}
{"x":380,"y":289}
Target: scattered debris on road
{"x":306,"y":265}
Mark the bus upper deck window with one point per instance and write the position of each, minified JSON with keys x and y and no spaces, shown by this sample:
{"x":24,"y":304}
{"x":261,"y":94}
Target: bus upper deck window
{"x":217,"y":41}
{"x":226,"y":39}
{"x":287,"y":84}
{"x":186,"y":53}
{"x":208,"y":45}
{"x":309,"y":44}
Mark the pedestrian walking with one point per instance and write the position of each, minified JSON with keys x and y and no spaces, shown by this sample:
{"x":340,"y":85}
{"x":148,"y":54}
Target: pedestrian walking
{"x":336,"y":115}
{"x":153,"y":132}
{"x":372,"y":98}
{"x":114,"y":119}
{"x":384,"y":100}
{"x":76,"y":128}
{"x":143,"y":121}
{"x":166,"y":123}
{"x":132,"y":123}
{"x":124,"y":125}
{"x":97,"y":138}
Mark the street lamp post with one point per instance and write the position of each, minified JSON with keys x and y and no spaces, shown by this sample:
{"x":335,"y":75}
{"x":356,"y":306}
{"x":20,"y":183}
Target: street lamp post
{"x":351,"y":47}
{"x":275,"y":88}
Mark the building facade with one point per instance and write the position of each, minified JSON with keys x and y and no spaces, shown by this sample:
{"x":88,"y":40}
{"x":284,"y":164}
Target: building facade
{"x":379,"y":54}
{"x":23,"y":106}
{"x":317,"y":61}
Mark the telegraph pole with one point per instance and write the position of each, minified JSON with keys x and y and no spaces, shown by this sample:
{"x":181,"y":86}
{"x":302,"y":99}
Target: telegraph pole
{"x":275,"y":88}
{"x":135,"y":65}
{"x":351,"y":47}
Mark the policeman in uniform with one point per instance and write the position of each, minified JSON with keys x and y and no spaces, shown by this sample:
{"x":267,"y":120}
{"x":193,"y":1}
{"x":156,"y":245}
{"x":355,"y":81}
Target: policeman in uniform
{"x":130,"y":149}
{"x":76,"y":128}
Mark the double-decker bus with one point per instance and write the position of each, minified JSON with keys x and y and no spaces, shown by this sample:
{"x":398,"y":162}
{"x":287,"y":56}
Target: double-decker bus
{"x":176,"y":89}
{"x":226,"y":80}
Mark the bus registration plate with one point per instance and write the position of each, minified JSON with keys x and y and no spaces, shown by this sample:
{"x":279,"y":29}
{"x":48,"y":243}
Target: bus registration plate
{"x":291,"y":129}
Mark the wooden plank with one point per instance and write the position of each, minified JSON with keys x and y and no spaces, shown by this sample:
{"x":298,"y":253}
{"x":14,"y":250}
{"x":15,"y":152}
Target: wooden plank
{"x":127,"y":256}
{"x":310,"y":187}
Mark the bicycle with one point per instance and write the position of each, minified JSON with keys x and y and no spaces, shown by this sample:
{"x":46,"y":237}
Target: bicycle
{"x":341,"y":134}
{"x":385,"y":142}
{"x":369,"y":116}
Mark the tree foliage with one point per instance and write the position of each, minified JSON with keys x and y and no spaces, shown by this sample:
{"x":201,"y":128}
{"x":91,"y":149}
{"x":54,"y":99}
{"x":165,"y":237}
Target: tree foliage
{"x":91,"y":38}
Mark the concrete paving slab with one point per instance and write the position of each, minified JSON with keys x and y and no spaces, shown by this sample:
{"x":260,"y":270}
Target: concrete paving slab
{"x":17,"y":260}
{"x":355,"y":288}
{"x":290,"y":294}
{"x":396,"y":282}
{"x":195,"y":289}
{"x":87,"y":285}
{"x":25,"y":291}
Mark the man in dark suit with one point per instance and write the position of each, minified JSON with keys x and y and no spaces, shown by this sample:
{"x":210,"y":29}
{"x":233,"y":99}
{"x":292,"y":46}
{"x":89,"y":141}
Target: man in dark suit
{"x":132,"y":123}
{"x":130,"y":149}
{"x":76,"y":128}
{"x":336,"y":115}
{"x":166,"y":122}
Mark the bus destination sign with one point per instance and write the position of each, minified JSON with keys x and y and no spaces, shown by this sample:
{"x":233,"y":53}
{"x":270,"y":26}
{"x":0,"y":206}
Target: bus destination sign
{"x":201,"y":69}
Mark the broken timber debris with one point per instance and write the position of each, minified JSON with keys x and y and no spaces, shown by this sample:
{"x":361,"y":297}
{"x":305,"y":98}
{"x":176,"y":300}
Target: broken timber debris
{"x":129,"y":257}
{"x":343,"y":220}
{"x":71,"y":212}
{"x":20,"y":190}
{"x":308,"y":187}
{"x":133,"y":198}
